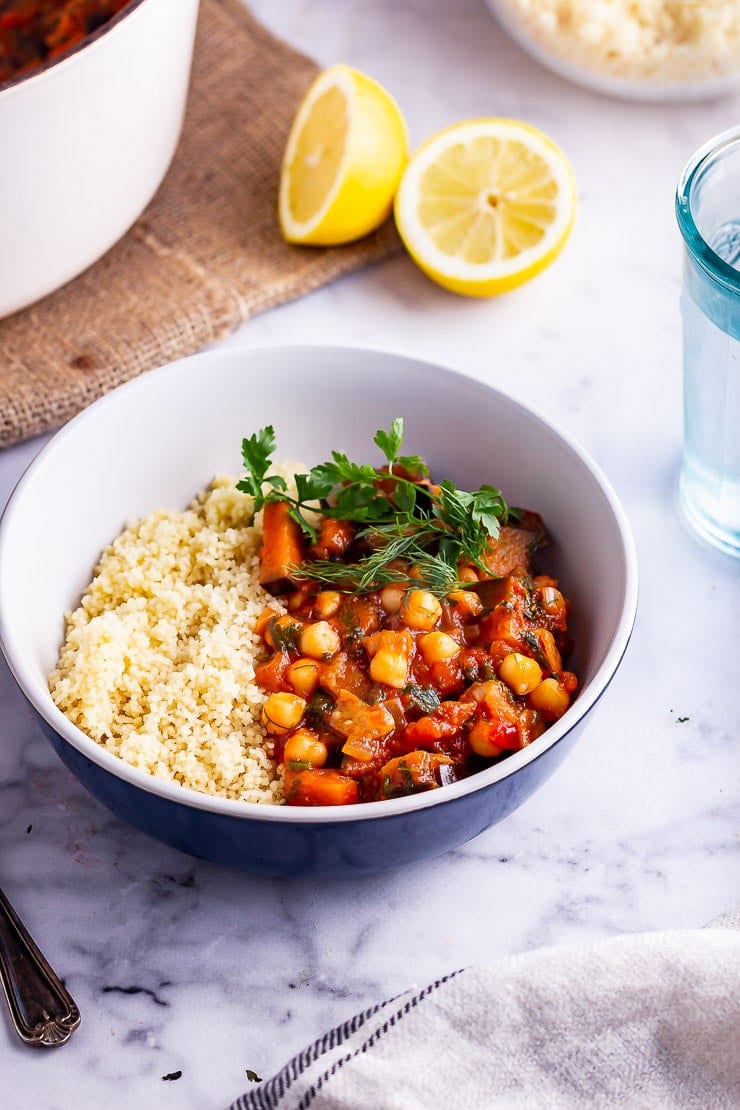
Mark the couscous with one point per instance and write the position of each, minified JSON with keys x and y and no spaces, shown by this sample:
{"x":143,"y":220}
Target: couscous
{"x":158,"y":662}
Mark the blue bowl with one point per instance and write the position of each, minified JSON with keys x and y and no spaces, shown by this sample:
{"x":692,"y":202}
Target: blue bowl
{"x":176,"y":427}
{"x":327,"y":847}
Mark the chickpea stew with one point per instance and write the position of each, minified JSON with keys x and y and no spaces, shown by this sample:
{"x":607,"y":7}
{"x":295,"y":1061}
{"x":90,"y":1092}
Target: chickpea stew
{"x":414,"y":644}
{"x":33,"y":32}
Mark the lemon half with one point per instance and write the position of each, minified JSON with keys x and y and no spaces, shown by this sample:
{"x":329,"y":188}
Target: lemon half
{"x":343,"y":160}
{"x":485,"y":205}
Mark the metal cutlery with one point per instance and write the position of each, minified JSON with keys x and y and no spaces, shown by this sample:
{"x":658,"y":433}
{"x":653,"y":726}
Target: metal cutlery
{"x":43,"y":1011}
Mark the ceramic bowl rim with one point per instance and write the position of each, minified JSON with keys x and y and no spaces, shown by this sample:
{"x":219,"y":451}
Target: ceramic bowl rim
{"x":326,"y":815}
{"x":23,"y":79}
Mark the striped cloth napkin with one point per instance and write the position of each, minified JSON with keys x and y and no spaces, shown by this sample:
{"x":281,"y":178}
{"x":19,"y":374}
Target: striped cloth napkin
{"x":650,"y":1021}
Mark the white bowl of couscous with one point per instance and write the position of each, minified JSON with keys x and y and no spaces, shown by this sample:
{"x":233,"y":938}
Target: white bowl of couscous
{"x":653,"y":50}
{"x":134,"y":634}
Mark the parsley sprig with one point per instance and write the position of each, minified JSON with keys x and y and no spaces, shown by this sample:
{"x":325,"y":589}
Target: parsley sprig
{"x":402,"y":515}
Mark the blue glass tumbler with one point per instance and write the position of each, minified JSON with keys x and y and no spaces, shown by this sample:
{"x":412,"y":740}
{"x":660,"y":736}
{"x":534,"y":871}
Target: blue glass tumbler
{"x":708,"y":212}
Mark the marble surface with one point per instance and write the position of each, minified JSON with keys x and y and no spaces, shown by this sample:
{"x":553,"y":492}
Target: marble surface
{"x":180,"y":966}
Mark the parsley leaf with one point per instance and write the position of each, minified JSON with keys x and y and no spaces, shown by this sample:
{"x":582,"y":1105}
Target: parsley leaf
{"x":390,"y":442}
{"x":487,"y":508}
{"x":424,"y":698}
{"x":257,"y":450}
{"x":399,"y":515}
{"x":312,"y":487}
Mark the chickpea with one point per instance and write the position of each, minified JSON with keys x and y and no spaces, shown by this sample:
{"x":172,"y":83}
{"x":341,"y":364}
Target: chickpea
{"x":295,"y":600}
{"x":421,"y":610}
{"x":520,"y":673}
{"x":480,"y":739}
{"x":390,"y":667}
{"x":391,"y":598}
{"x":319,"y":640}
{"x":327,"y":603}
{"x":282,"y":712}
{"x":436,"y":647}
{"x":550,"y":698}
{"x":303,"y":676}
{"x":390,"y":653}
{"x":304,"y":746}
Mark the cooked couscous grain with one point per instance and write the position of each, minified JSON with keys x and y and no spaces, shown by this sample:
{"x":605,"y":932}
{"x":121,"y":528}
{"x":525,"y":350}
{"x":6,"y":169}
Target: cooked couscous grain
{"x":158,"y":659}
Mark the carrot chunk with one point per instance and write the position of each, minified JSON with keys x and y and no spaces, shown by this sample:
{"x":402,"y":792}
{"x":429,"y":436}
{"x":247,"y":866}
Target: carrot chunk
{"x":282,"y":548}
{"x":319,"y":787}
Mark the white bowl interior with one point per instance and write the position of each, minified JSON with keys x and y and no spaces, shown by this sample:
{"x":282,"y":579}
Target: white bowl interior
{"x":158,"y":440}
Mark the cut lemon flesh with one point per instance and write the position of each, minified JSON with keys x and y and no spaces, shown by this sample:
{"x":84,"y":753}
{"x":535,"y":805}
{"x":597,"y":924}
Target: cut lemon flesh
{"x":485,"y":205}
{"x":343,"y":160}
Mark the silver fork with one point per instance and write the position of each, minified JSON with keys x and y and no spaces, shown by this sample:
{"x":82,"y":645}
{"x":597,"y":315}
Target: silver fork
{"x":43,"y":1011}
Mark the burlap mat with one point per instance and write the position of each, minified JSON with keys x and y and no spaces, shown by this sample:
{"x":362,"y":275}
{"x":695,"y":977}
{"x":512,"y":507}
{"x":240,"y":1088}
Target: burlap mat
{"x":205,"y":255}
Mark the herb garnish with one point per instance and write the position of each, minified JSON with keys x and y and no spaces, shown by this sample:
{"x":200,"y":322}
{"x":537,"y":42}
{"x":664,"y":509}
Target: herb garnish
{"x":319,"y":708}
{"x":532,"y":641}
{"x":424,"y":698}
{"x":398,"y":511}
{"x":284,"y":636}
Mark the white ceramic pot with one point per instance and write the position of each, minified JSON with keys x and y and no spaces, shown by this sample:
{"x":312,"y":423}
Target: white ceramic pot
{"x":85,"y":143}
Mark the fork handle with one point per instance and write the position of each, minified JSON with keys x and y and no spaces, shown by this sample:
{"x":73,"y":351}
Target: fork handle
{"x":43,"y":1011}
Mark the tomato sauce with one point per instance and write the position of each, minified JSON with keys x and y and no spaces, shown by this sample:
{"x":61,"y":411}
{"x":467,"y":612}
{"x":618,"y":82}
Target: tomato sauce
{"x":33,"y":32}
